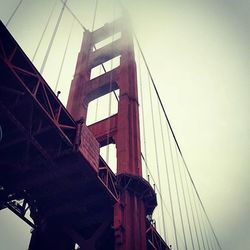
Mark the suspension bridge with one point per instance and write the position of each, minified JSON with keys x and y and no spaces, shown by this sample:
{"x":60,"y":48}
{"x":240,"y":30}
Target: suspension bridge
{"x":106,"y":171}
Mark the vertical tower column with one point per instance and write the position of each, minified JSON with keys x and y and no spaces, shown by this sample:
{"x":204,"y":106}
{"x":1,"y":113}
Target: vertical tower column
{"x":128,"y":132}
{"x":77,"y":104}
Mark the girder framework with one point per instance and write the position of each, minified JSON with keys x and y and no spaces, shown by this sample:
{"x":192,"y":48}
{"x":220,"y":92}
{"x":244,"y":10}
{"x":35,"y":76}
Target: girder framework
{"x":47,"y":156}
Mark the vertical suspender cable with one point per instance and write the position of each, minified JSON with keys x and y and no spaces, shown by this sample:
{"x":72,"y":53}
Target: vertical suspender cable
{"x":212,"y":242}
{"x":176,"y":188}
{"x":157,"y":189}
{"x":168,"y":180}
{"x":156,"y":155}
{"x":143,"y":115}
{"x":198,"y":219}
{"x":52,"y":38}
{"x":13,"y":13}
{"x":64,"y":55}
{"x":184,"y":198}
{"x":192,"y":212}
{"x":45,"y":28}
{"x":208,"y":220}
{"x":204,"y":228}
{"x":156,"y":186}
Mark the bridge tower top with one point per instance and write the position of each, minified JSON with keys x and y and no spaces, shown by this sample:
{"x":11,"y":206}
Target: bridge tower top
{"x":123,"y":127}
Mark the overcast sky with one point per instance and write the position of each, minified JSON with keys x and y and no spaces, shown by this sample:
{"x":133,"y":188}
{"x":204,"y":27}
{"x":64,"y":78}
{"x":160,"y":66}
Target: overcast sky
{"x":199,"y":55}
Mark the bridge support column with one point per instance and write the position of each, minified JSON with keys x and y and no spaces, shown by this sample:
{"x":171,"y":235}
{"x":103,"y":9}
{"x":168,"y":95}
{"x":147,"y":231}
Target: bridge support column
{"x":130,"y":227}
{"x":137,"y":200}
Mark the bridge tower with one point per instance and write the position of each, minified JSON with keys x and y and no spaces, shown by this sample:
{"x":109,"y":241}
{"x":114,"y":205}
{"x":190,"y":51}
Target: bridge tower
{"x":122,"y":129}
